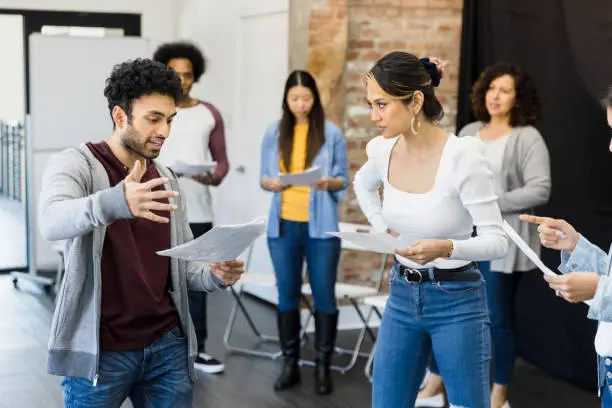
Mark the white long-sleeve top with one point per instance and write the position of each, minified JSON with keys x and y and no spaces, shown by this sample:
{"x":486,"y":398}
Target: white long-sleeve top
{"x":462,"y":196}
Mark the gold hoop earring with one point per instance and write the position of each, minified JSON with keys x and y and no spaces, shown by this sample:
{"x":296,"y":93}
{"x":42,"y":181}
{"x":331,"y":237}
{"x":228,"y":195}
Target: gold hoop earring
{"x":416,"y":119}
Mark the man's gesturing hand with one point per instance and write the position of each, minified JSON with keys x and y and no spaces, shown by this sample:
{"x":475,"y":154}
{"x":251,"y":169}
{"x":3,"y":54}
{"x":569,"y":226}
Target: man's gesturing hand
{"x":141,"y":200}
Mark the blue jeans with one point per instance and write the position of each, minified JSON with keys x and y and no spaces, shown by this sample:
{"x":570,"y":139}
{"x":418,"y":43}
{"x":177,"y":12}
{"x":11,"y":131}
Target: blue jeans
{"x":606,"y":398}
{"x":605,"y":381}
{"x":449,"y":318}
{"x":153,"y":377}
{"x":501,"y":296}
{"x":322,"y":255}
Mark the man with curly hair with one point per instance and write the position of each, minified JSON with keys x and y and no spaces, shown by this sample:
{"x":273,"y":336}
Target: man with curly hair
{"x":197,"y":137}
{"x":121,"y":328}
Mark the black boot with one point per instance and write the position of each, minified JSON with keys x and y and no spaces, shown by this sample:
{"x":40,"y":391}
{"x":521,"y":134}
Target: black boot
{"x":325,"y":341}
{"x":289,"y":333}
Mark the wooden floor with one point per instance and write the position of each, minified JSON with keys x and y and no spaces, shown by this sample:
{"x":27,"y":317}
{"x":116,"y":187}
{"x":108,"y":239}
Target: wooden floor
{"x":25,"y":320}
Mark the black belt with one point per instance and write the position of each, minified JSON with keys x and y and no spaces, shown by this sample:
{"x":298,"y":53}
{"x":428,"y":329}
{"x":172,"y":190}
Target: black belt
{"x":417,"y":276}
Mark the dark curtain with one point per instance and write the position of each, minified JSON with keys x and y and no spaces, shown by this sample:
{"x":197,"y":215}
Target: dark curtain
{"x":565,"y":46}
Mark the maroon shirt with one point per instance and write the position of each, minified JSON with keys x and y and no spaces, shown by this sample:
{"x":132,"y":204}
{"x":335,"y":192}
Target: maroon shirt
{"x":136,"y":306}
{"x":216,"y":143}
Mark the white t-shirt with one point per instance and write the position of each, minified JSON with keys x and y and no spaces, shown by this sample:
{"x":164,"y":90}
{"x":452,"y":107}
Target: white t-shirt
{"x":494,"y":154}
{"x":603,"y":339}
{"x":494,"y":151}
{"x":188,"y":142}
{"x":462,"y":196}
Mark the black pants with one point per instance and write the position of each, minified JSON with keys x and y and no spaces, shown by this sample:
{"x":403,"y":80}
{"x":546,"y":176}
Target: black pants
{"x":197,"y":300}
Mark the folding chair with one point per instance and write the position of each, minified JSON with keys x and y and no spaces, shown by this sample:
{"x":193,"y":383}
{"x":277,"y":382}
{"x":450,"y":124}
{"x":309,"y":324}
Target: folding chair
{"x":268,"y":280}
{"x":354,"y":294}
{"x":377,"y":304}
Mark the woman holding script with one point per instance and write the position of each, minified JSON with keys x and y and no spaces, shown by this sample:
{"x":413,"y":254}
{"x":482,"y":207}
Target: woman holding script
{"x":436,"y":188}
{"x":506,"y":104}
{"x":586,"y":276}
{"x":300,"y":218}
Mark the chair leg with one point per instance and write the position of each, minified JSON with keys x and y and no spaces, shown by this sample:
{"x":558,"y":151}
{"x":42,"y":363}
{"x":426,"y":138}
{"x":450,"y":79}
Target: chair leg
{"x":355,"y":353}
{"x":230,"y":327}
{"x":370,"y":364}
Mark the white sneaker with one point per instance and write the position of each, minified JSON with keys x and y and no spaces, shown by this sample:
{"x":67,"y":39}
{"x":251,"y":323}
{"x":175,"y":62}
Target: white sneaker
{"x":436,"y":401}
{"x":208,"y":364}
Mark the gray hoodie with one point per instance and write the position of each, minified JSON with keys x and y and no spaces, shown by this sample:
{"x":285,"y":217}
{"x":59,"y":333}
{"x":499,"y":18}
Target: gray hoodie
{"x":76,"y":205}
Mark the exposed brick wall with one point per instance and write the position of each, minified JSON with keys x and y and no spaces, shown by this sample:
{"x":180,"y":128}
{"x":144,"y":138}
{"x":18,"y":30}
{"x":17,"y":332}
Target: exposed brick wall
{"x":327,"y":47}
{"x":374,"y":28}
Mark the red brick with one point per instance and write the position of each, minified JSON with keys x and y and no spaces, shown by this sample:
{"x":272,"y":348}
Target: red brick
{"x":369,"y":33}
{"x":361,"y":44}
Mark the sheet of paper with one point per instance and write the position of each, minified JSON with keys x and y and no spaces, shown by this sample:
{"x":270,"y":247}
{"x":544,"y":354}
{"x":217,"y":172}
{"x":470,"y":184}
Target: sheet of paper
{"x":194,"y":169}
{"x":380,"y":242}
{"x":526,"y":249}
{"x":302,"y":179}
{"x":222,"y":243}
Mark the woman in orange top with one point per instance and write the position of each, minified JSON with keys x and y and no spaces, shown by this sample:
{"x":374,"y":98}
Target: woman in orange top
{"x":300,"y":218}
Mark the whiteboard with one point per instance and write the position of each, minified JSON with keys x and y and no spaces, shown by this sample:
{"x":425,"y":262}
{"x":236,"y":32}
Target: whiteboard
{"x":67,"y":108}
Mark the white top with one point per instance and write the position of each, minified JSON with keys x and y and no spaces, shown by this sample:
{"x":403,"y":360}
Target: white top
{"x":494,"y":155}
{"x":462,"y":196}
{"x":603,"y":339}
{"x":188,"y":142}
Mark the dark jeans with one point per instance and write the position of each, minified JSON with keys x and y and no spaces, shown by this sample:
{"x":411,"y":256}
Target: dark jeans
{"x":501,"y":298}
{"x":322,"y":255}
{"x":197,"y":300}
{"x":153,"y":377}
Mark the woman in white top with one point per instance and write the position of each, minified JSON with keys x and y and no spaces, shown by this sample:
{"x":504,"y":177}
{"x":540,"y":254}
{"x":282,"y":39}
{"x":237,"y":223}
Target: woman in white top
{"x":436,"y":188}
{"x":506,"y":104}
{"x":594,"y":283}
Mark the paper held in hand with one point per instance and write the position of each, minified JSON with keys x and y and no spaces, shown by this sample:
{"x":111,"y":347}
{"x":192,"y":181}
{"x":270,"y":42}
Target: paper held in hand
{"x":380,"y":242}
{"x":526,"y":249}
{"x":516,"y":238}
{"x":181,"y":167}
{"x":301,"y":179}
{"x":222,"y":243}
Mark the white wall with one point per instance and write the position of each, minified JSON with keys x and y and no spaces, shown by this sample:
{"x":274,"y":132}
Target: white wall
{"x":12,"y":79}
{"x":211,"y":26}
{"x":158,"y":16}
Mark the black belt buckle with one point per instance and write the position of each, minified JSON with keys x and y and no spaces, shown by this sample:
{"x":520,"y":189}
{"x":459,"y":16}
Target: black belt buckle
{"x":413,"y":276}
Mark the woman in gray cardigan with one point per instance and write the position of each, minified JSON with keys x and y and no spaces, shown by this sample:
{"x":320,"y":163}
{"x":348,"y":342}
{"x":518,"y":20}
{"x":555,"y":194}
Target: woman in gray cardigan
{"x":505,"y":102}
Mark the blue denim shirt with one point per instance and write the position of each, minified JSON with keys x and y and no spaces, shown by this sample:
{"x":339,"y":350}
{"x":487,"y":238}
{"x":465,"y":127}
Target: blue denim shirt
{"x":587,"y":257}
{"x":323,"y":205}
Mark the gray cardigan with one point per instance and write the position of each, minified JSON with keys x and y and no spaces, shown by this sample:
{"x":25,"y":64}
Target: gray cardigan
{"x":76,"y":205}
{"x":526,"y":170}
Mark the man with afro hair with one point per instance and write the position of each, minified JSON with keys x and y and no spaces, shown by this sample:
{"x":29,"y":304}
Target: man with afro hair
{"x":121,"y":328}
{"x":197,"y":137}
